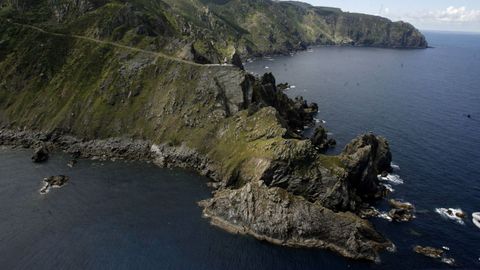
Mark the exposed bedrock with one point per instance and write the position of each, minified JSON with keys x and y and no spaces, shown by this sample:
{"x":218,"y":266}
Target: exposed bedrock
{"x":277,"y":216}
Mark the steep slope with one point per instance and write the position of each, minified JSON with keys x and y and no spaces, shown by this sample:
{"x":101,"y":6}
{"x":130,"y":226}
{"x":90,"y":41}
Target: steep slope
{"x":74,"y":86}
{"x":212,"y":31}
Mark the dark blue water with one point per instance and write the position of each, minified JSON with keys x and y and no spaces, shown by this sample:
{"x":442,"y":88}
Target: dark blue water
{"x":117,"y":215}
{"x":419,"y":100}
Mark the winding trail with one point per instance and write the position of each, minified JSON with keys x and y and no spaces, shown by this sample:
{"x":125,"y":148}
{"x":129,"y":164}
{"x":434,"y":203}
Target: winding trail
{"x":114,"y":44}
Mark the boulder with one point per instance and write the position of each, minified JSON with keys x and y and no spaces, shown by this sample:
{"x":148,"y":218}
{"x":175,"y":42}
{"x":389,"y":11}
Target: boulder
{"x":40,"y":154}
{"x":401,"y":215}
{"x":56,"y":181}
{"x":53,"y":181}
{"x":400,"y":205}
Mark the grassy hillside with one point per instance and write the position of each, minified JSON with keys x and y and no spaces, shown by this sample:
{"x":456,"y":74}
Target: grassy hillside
{"x":210,"y":31}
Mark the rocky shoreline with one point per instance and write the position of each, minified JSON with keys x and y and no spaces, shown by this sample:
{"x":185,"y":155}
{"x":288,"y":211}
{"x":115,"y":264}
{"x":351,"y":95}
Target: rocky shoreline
{"x":259,"y":209}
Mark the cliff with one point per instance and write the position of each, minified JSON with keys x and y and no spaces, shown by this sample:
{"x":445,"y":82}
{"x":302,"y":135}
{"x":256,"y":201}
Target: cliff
{"x":75,"y":86}
{"x":213,"y":31}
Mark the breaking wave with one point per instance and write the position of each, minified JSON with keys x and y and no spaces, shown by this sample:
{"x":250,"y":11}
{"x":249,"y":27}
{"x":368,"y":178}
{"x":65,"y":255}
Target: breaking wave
{"x":451,"y":213}
{"x":392,"y":178}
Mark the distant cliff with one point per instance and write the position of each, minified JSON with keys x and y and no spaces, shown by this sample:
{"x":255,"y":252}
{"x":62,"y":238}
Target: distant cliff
{"x":212,"y":31}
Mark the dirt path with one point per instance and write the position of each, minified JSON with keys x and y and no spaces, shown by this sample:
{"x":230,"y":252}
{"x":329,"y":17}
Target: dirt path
{"x":156,"y":54}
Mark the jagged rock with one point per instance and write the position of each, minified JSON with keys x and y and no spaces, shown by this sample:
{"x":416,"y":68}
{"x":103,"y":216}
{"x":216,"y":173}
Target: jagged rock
{"x":434,"y":253}
{"x":431,"y":252}
{"x":57,"y":181}
{"x":400,"y":205}
{"x":54,"y":181}
{"x":401,"y":215}
{"x":297,"y":113}
{"x":40,"y":154}
{"x":274,"y":215}
{"x":320,"y":139}
{"x":365,"y":158}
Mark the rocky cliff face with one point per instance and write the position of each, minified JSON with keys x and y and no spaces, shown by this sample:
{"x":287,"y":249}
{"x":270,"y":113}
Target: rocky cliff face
{"x":209,"y":31}
{"x":75,"y":86}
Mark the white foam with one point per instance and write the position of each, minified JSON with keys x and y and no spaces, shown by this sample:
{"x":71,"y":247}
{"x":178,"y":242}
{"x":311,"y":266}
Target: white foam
{"x":449,"y":261}
{"x":476,"y":219}
{"x":444,"y":212}
{"x":266,"y":67}
{"x":392,"y":178}
{"x":445,"y":248}
{"x":388,"y":187}
{"x":395,"y":167}
{"x":45,"y":189}
{"x":385,"y":216}
{"x":293,"y":86}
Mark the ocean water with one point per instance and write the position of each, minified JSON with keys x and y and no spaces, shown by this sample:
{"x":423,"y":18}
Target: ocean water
{"x":118,"y":215}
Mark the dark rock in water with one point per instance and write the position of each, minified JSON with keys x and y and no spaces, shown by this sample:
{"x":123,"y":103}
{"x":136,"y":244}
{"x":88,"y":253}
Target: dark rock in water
{"x":364,"y":158}
{"x":401,"y":215}
{"x":461,"y":215}
{"x":434,"y":253}
{"x":283,"y":86}
{"x":320,"y":139}
{"x":402,"y":211}
{"x":40,"y":154}
{"x":431,"y":252}
{"x":400,"y":205}
{"x":54,"y":181}
{"x":384,"y":174}
{"x":72,"y":163}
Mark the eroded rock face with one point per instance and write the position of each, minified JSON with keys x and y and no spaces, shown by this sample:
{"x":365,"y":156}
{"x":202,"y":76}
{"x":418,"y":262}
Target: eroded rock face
{"x":320,"y":139}
{"x":274,"y":215}
{"x":364,"y":158}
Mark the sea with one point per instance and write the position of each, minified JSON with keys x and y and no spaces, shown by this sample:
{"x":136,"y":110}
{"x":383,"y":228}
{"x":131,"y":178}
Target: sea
{"x":133,"y":215}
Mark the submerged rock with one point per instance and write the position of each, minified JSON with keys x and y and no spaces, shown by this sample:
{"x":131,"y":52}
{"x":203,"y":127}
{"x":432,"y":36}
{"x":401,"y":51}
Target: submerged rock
{"x":40,"y":154}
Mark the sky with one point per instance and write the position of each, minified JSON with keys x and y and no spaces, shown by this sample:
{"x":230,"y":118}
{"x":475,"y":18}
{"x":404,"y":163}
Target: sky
{"x":443,"y":15}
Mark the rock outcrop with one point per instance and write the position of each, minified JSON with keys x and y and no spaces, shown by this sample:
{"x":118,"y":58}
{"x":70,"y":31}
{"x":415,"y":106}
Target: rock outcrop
{"x":365,"y":158}
{"x":102,"y":99}
{"x":274,"y":215}
{"x":320,"y":139}
{"x":54,"y":182}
